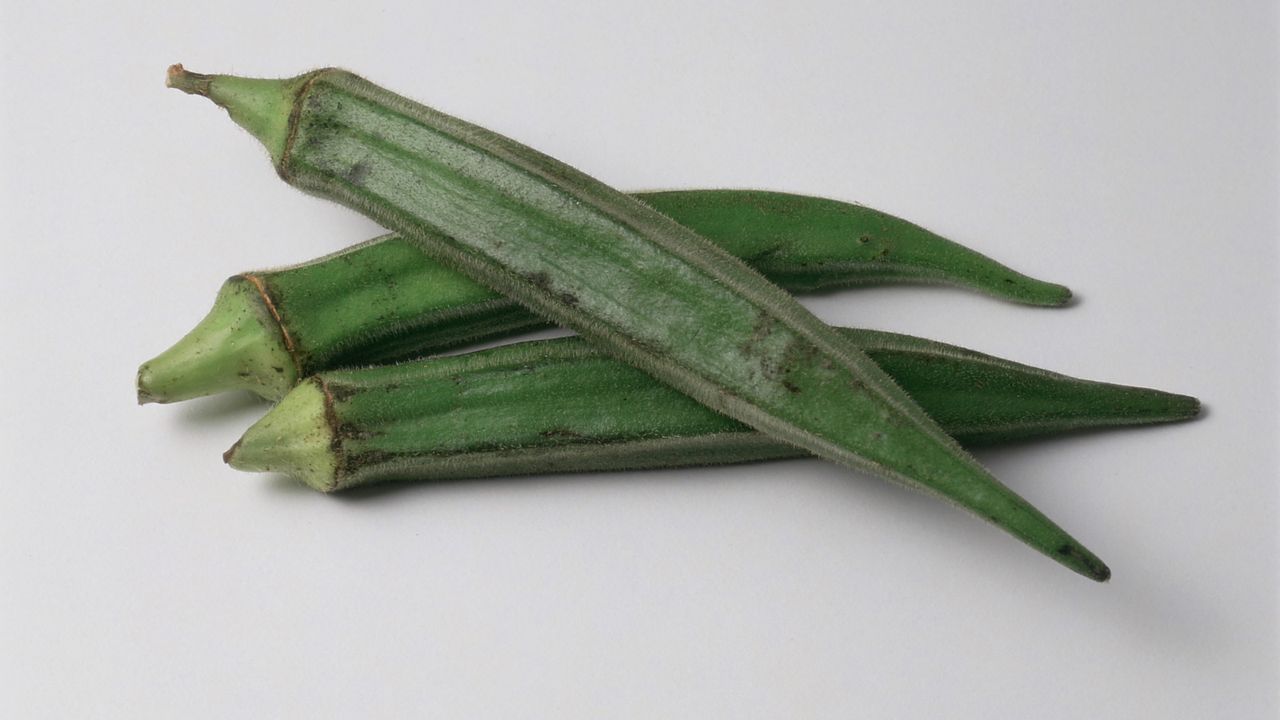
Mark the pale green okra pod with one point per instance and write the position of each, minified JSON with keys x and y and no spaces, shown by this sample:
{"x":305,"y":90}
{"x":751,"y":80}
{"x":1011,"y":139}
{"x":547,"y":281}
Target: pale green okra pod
{"x":631,"y":281}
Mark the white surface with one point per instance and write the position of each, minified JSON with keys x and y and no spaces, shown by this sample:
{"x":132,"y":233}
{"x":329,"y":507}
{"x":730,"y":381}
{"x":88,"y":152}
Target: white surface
{"x":1130,"y":152}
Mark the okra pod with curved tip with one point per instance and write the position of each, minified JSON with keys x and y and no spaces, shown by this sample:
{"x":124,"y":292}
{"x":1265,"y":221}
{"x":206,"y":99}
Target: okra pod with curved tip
{"x":630,"y":280}
{"x":384,"y":300}
{"x":560,"y":405}
{"x":805,"y":244}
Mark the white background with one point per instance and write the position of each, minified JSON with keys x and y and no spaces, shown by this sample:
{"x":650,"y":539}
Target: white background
{"x":1129,"y":152}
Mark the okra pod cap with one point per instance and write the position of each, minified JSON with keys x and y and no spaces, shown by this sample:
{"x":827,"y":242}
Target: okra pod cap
{"x":237,"y":346}
{"x":295,"y":438}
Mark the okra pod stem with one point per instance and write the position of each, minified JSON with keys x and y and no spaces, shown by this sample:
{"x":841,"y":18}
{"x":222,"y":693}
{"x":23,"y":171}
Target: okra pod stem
{"x":385,"y":301}
{"x":560,"y":405}
{"x":633,"y":282}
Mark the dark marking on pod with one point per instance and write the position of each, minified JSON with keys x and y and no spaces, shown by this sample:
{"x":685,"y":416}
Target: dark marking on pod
{"x":357,"y":173}
{"x":560,"y":432}
{"x":340,"y":392}
{"x":542,"y":281}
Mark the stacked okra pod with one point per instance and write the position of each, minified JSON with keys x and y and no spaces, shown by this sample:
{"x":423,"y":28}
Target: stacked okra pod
{"x":691,"y":351}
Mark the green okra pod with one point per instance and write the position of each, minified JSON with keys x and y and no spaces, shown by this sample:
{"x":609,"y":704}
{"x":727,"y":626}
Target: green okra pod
{"x":560,"y":405}
{"x":630,"y":280}
{"x":384,"y":300}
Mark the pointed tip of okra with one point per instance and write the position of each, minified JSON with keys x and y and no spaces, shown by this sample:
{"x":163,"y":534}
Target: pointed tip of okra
{"x":1040,"y":293}
{"x":295,"y":438}
{"x":237,"y":346}
{"x":1016,"y":516}
{"x":261,"y":106}
{"x":1194,"y":407}
{"x":1143,"y":406}
{"x":1043,"y":535}
{"x":1182,"y":407}
{"x":1056,"y":295}
{"x":1079,"y":559}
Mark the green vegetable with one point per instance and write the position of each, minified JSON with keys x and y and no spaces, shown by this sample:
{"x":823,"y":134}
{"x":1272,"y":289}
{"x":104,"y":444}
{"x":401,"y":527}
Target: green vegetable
{"x":630,"y":280}
{"x":384,"y":300}
{"x":560,"y":405}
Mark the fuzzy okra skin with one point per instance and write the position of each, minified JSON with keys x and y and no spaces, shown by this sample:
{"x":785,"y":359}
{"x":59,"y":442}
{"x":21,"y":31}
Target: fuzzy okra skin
{"x":384,"y":300}
{"x":560,"y":405}
{"x":630,"y":280}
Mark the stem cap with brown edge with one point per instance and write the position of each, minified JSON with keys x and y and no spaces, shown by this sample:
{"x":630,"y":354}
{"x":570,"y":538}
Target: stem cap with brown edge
{"x":295,"y":438}
{"x":261,"y":106}
{"x":237,"y":346}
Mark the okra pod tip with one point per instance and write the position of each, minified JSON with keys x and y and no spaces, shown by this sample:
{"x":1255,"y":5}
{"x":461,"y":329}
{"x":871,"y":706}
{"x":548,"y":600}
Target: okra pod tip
{"x":237,"y":346}
{"x":293,"y":439}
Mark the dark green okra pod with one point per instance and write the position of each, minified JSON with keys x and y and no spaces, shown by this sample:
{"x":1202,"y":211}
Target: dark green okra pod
{"x":630,"y":280}
{"x":384,"y":300}
{"x":560,"y":405}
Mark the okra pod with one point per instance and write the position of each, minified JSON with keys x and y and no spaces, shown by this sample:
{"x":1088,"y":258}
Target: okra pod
{"x":630,"y":280}
{"x":560,"y":405}
{"x":384,"y":300}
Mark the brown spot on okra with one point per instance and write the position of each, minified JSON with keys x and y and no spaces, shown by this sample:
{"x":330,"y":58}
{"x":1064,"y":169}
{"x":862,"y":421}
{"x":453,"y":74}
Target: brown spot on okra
{"x":335,"y":437}
{"x":357,"y":173}
{"x":540,"y":279}
{"x":365,"y":459}
{"x":1096,"y":569}
{"x":341,"y":392}
{"x":763,"y":327}
{"x":289,"y":345}
{"x":763,"y":256}
{"x":760,"y":330}
{"x":231,"y":451}
{"x":348,"y":431}
{"x":560,"y":432}
{"x":291,"y":132}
